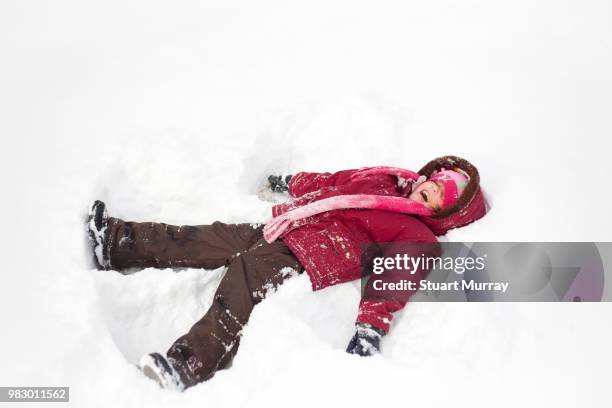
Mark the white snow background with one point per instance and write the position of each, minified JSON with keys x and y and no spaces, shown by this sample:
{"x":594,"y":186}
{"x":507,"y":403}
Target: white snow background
{"x":175,"y":112}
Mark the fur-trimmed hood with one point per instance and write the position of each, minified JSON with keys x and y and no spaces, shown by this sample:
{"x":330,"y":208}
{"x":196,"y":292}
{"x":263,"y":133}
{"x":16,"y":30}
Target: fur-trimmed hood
{"x":468,"y":208}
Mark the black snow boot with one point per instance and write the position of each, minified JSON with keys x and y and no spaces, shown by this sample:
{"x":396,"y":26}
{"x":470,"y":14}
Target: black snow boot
{"x":157,"y":368}
{"x":96,"y":226}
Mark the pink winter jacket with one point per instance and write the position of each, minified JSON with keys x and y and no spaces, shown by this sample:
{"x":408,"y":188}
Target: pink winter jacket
{"x":330,"y":245}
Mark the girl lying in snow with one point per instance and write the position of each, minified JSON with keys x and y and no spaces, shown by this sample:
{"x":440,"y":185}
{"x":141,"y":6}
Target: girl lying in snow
{"x":322,"y":230}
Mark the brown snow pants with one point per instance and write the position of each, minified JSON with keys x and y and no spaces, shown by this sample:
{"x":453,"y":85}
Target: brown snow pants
{"x":253,"y":268}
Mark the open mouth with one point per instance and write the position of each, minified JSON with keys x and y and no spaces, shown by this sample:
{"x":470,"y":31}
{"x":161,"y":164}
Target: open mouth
{"x":424,"y":195}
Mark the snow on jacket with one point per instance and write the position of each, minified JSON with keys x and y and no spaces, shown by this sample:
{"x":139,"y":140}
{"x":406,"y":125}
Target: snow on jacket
{"x":330,"y":245}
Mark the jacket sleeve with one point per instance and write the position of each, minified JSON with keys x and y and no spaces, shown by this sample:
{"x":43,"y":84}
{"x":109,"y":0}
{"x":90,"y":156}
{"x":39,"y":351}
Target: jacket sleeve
{"x":303,"y":182}
{"x":377,"y":305}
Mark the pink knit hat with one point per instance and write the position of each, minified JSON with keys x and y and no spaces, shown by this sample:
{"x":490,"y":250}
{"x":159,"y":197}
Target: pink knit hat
{"x":453,"y":183}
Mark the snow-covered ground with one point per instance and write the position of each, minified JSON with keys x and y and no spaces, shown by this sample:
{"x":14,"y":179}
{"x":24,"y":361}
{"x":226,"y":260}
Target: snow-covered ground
{"x":175,"y":111}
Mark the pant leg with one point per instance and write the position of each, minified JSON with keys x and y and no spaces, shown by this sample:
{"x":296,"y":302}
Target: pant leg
{"x":150,"y":244}
{"x":213,"y":341}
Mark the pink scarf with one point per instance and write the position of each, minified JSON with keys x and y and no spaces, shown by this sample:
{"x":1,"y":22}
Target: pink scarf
{"x":279,"y":224}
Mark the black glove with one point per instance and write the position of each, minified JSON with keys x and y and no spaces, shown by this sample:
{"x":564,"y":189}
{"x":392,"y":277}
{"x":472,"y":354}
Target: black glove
{"x":279,"y":183}
{"x":366,"y":341}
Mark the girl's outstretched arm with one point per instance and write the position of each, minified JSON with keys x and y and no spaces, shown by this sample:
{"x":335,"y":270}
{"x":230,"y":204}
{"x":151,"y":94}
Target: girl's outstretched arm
{"x":412,"y":240}
{"x":305,"y":182}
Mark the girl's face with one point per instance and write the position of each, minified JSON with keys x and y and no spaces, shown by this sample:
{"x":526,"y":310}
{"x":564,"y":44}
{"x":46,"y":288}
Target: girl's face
{"x":430,"y":194}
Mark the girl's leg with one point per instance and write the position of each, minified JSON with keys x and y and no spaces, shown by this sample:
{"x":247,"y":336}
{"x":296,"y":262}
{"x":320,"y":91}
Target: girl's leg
{"x":213,"y":341}
{"x":150,"y":244}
